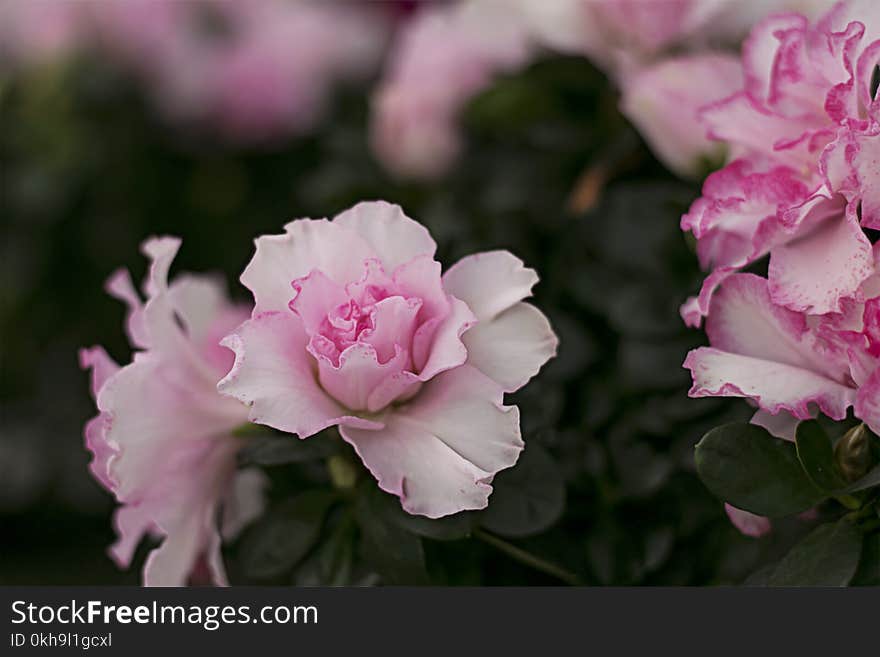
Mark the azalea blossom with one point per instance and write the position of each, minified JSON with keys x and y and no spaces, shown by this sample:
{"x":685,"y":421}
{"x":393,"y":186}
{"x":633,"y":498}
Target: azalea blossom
{"x":668,"y":57}
{"x":804,"y":339}
{"x":442,"y":58}
{"x":36,"y":31}
{"x":789,"y":363}
{"x":355,"y":326}
{"x":792,"y":365}
{"x":663,"y":100}
{"x":802,"y":133}
{"x":447,"y":54}
{"x":622,"y":35}
{"x":619,"y":35}
{"x":769,"y":354}
{"x":162,"y":442}
{"x":250,"y":70}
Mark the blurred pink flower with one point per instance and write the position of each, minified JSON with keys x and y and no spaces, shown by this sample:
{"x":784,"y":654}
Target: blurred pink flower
{"x":615,"y":34}
{"x":40,"y":30}
{"x":662,"y":102}
{"x":443,"y":57}
{"x":252,"y":70}
{"x":620,"y":36}
{"x":448,"y":53}
{"x":355,"y":326}
{"x":631,"y":40}
{"x":162,"y":441}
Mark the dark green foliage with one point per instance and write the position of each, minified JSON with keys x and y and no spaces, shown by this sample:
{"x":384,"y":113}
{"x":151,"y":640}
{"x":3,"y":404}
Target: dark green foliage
{"x":284,"y":535}
{"x":746,"y":466}
{"x":528,"y":498}
{"x":829,"y":556}
{"x":816,"y":454}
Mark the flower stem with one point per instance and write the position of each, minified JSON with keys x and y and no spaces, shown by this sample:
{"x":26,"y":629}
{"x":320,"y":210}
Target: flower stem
{"x":527,"y":558}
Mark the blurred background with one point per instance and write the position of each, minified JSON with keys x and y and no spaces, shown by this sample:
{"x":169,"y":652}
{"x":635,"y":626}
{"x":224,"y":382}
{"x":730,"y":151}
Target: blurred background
{"x":221,"y":121}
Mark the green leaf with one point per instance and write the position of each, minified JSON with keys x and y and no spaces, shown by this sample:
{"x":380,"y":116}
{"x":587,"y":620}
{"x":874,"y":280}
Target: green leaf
{"x":828,"y":556}
{"x":395,"y":553}
{"x":448,"y":528}
{"x":868,"y":481}
{"x":272,"y":449}
{"x":761,"y":577}
{"x":528,"y":498}
{"x":281,"y":538}
{"x":744,"y":465}
{"x":816,"y":454}
{"x":868,"y":573}
{"x":330,"y":564}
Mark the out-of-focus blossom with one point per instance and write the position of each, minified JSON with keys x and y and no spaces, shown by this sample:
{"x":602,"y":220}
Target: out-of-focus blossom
{"x":802,"y":129}
{"x":616,"y":34}
{"x":253,"y":70}
{"x":622,"y":35}
{"x":631,"y":40}
{"x":662,"y":102}
{"x":162,"y":441}
{"x":250,"y":70}
{"x":449,"y":53}
{"x":444,"y":56}
{"x":355,"y":326}
{"x":39,"y":30}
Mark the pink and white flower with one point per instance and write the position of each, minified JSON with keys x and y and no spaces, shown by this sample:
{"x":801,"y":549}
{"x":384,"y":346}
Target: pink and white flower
{"x":805,"y":339}
{"x":802,"y":131}
{"x":792,"y":365}
{"x":36,"y":31}
{"x":443,"y":57}
{"x":770,"y":354}
{"x":618,"y":35}
{"x":446,"y":55}
{"x":789,"y":363}
{"x":623,"y":36}
{"x":162,"y":442}
{"x":250,"y":71}
{"x":354,"y":326}
{"x":662,"y":101}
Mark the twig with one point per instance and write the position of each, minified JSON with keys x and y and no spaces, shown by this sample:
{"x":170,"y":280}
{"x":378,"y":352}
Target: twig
{"x":528,"y":558}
